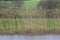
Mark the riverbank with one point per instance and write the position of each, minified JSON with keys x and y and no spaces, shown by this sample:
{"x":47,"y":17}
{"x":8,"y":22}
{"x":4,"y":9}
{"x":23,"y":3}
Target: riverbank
{"x":29,"y":26}
{"x":43,"y":32}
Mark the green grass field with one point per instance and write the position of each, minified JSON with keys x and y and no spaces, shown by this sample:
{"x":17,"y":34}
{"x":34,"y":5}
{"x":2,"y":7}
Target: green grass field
{"x":29,"y":24}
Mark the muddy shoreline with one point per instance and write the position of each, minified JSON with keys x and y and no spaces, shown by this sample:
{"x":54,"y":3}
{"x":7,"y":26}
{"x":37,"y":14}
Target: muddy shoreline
{"x":44,"y":32}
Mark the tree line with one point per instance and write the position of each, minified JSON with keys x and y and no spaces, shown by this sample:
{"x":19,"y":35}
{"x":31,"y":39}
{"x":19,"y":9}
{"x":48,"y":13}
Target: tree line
{"x":45,"y":9}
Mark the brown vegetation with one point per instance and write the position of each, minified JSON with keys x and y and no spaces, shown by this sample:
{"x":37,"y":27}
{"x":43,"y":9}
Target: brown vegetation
{"x":29,"y":12}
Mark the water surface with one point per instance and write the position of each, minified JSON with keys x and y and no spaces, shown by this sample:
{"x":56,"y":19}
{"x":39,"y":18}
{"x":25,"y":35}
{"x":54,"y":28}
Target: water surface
{"x":29,"y":37}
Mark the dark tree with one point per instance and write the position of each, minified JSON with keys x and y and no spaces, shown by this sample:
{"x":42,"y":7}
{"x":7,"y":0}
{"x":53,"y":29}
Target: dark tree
{"x":7,"y":4}
{"x":11,"y":0}
{"x":48,"y":4}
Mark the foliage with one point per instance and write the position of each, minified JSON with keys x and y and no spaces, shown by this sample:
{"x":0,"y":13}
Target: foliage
{"x":49,"y":4}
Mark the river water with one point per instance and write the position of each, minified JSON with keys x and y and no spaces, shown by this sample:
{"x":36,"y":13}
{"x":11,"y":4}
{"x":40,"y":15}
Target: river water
{"x":29,"y":37}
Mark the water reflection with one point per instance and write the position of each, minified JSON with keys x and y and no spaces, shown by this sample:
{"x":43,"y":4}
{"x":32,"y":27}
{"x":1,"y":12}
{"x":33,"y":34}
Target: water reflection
{"x":30,"y":37}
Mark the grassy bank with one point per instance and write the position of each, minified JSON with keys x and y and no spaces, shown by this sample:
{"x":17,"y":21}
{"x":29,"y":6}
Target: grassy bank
{"x":29,"y":26}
